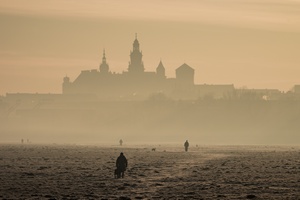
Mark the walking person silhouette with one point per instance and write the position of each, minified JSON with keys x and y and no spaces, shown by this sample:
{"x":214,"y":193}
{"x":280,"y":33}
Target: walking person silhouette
{"x":121,"y":165}
{"x":186,"y":145}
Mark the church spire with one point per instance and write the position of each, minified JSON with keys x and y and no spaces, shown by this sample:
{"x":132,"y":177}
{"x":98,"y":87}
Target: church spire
{"x":136,"y":64}
{"x":136,"y":44}
{"x":103,"y":58}
{"x":160,"y":70}
{"x":104,"y":68}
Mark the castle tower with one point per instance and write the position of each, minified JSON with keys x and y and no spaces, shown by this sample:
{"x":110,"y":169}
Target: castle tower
{"x":104,"y":68}
{"x":160,"y":70}
{"x":136,"y":64}
{"x":185,"y":75}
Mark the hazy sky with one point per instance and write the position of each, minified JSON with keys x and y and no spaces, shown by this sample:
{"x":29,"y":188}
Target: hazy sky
{"x":253,"y":43}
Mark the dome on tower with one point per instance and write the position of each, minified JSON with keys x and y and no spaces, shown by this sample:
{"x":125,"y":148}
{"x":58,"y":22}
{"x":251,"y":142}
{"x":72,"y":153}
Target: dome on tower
{"x":136,"y":64}
{"x":136,"y":44}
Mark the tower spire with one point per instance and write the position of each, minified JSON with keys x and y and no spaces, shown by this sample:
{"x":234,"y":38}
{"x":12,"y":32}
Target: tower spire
{"x":136,"y":64}
{"x":160,"y":70}
{"x":104,"y":68}
{"x":104,"y":58}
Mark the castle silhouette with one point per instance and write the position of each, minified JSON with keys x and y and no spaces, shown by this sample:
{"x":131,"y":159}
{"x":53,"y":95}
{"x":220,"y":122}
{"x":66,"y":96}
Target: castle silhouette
{"x":136,"y":83}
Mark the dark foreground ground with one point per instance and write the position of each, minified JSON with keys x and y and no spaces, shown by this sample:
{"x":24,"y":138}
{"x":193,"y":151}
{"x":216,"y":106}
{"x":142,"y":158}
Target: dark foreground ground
{"x":207,"y":172}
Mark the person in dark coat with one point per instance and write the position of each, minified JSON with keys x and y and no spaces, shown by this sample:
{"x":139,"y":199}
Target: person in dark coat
{"x":186,"y":145}
{"x":121,"y":165}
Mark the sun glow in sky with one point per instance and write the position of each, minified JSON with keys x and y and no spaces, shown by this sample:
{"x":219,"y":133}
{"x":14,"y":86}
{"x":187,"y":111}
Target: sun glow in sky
{"x":253,"y":43}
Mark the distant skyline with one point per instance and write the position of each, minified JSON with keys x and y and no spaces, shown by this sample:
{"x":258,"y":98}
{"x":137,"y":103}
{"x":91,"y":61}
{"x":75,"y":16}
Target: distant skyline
{"x":242,"y":42}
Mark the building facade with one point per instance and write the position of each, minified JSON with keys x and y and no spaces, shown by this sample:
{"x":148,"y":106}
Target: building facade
{"x":135,"y":82}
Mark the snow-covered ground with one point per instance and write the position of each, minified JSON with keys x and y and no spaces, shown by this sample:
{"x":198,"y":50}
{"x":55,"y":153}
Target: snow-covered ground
{"x":206,"y":172}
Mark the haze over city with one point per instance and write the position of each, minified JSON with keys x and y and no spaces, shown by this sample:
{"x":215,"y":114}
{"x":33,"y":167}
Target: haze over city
{"x":161,"y":99}
{"x":247,"y":43}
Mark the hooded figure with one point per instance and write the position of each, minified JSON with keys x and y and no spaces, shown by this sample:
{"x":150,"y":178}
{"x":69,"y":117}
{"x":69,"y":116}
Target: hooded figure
{"x":121,"y":165}
{"x":186,"y":145}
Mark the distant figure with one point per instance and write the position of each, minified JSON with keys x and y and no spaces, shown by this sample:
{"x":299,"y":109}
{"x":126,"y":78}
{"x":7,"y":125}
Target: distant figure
{"x":121,"y":142}
{"x":153,"y":149}
{"x":121,"y":165}
{"x":186,"y":145}
{"x":22,"y":140}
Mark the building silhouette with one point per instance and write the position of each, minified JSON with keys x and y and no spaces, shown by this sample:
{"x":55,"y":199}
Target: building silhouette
{"x":135,"y":83}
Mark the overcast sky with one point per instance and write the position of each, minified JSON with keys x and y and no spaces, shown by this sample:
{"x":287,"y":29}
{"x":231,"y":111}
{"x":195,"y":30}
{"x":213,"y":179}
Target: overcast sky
{"x":242,"y":42}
